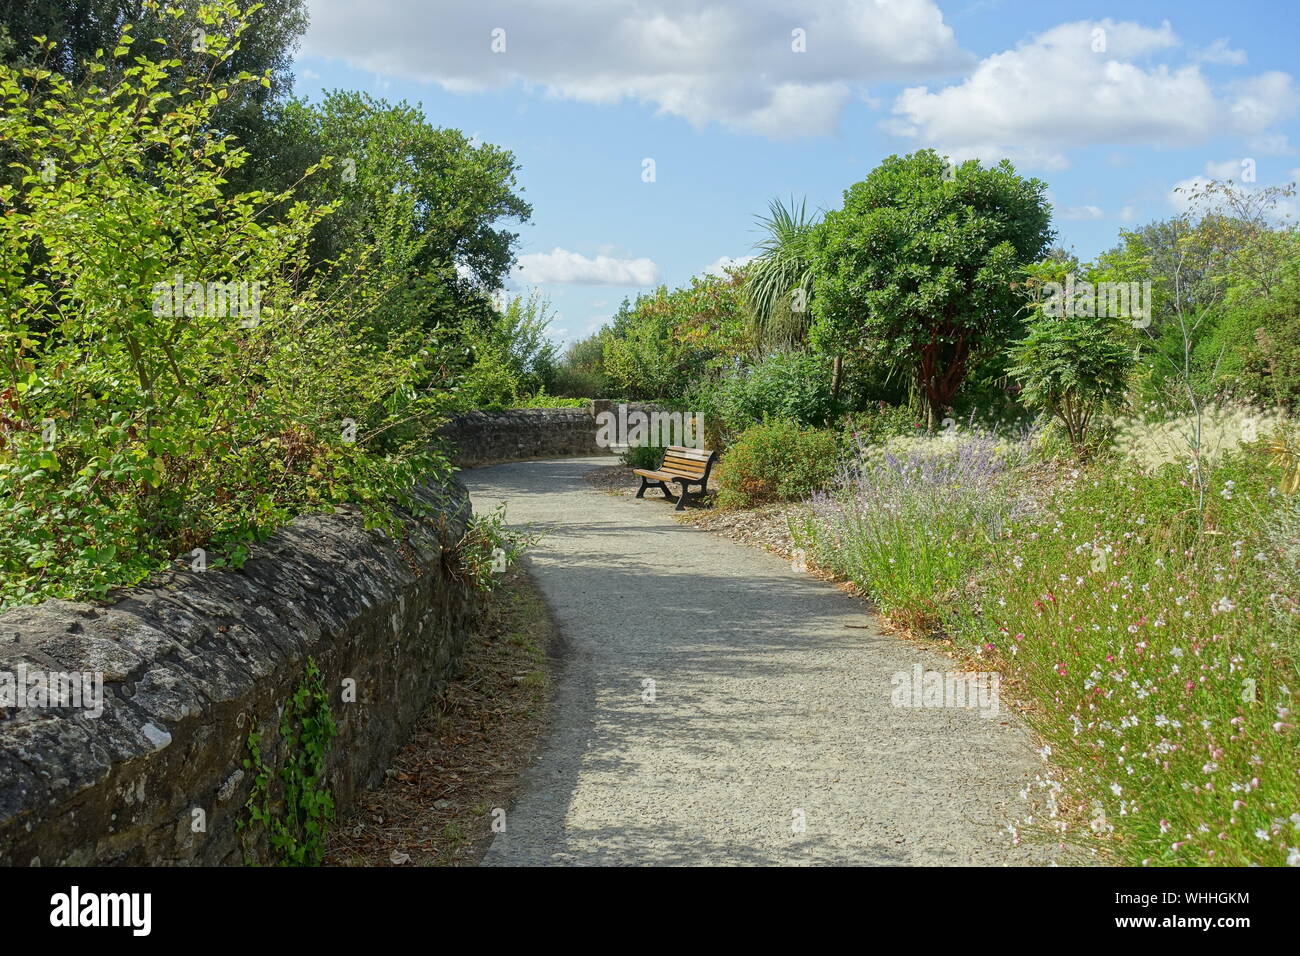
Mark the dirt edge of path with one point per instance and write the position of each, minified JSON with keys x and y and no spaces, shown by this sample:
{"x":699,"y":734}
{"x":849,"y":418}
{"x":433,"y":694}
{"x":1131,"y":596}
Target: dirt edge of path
{"x":437,"y":803}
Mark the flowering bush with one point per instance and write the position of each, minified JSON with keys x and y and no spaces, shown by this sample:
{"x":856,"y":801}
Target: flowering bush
{"x":1163,"y":656}
{"x":909,"y":519}
{"x":1156,"y":640}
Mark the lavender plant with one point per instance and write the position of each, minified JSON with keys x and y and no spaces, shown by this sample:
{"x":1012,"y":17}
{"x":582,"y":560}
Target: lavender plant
{"x":909,"y":520}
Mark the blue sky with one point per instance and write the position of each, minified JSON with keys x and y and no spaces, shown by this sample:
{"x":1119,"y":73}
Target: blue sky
{"x":1112,"y":104}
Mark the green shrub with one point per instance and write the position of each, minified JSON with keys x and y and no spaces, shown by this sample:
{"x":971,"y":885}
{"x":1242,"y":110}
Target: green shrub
{"x":488,"y":547}
{"x":878,"y":422}
{"x":139,"y":424}
{"x":512,"y":357}
{"x":788,"y":386}
{"x":1073,"y":368}
{"x":581,"y":372}
{"x":642,"y":456}
{"x":489,"y":384}
{"x":1253,"y":346}
{"x":776,"y":461}
{"x":542,"y":400}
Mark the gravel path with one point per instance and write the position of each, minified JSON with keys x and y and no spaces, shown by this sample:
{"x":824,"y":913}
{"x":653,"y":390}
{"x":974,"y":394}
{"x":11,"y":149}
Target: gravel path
{"x":770,"y":738}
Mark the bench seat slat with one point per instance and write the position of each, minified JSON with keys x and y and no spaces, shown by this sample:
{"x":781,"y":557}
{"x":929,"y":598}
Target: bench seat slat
{"x":690,"y":467}
{"x":665,"y":475}
{"x":681,"y":451}
{"x":679,"y":470}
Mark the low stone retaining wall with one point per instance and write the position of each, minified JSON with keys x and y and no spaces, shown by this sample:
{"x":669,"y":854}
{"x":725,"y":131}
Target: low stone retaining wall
{"x":193,"y":662}
{"x":480,"y":438}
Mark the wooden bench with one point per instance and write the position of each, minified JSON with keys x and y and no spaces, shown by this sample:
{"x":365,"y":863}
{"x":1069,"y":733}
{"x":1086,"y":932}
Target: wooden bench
{"x":685,"y":466}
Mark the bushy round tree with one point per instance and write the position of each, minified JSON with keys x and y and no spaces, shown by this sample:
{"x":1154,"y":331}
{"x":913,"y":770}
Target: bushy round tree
{"x":918,"y":268}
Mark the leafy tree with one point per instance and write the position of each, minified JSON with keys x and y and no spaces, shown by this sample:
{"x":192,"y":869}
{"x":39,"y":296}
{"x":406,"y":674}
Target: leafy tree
{"x":1208,"y":266}
{"x":581,"y":373}
{"x":1073,"y":367}
{"x":623,"y":318}
{"x":645,"y":362}
{"x":269,"y":34}
{"x":671,"y":339}
{"x":709,"y":318}
{"x":1255,"y":346}
{"x":513,"y":358}
{"x":463,"y":196}
{"x":916,"y":269}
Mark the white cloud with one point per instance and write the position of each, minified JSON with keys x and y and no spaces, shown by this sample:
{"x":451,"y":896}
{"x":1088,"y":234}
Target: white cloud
{"x":729,"y":64}
{"x":722,"y":262}
{"x":559,"y":266}
{"x":1220,"y":54}
{"x":1082,"y":212}
{"x":1056,"y":91}
{"x":1263,"y":100}
{"x":1024,"y":156}
{"x":1270,"y":144}
{"x":1227,"y":169}
{"x":1127,"y":214}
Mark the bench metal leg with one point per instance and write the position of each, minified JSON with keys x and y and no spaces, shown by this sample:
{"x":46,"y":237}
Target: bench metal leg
{"x":681,"y":498}
{"x":647,"y":483}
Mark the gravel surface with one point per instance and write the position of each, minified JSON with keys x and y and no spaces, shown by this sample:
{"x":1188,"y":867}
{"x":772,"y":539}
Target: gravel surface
{"x":714,"y":706}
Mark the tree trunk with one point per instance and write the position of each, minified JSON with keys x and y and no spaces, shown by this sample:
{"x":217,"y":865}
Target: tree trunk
{"x":939,"y":380}
{"x":837,"y":376}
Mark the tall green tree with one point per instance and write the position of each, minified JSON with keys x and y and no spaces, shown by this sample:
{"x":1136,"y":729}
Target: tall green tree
{"x":464,"y":197}
{"x":917,"y":269}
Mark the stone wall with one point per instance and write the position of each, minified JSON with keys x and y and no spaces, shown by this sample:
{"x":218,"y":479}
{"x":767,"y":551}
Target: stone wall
{"x":192,"y":662}
{"x":483,"y":437}
{"x":480,"y":438}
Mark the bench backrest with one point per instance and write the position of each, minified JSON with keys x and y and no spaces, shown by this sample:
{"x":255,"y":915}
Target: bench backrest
{"x":695,"y":462}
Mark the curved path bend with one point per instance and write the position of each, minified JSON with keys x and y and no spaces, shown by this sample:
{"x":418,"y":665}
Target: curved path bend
{"x":769,"y":737}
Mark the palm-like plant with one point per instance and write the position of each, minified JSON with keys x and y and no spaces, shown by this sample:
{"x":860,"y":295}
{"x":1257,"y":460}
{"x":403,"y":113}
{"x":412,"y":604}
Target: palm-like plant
{"x":779,"y":282}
